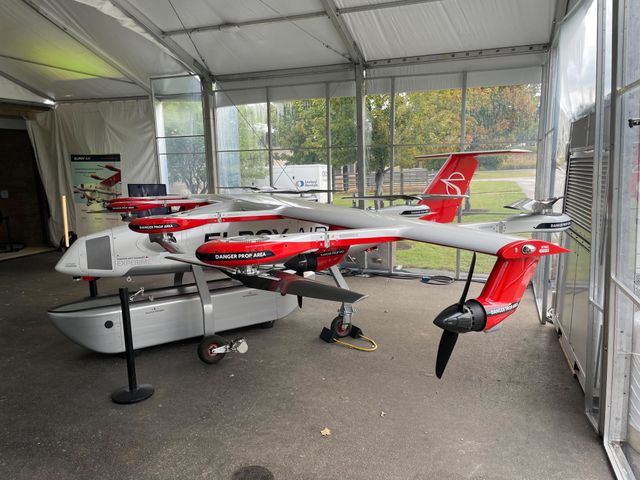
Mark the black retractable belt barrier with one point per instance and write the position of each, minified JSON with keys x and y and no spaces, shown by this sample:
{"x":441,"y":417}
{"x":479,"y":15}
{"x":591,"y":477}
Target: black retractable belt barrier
{"x":134,"y":393}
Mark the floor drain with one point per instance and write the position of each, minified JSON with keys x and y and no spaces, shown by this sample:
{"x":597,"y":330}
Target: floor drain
{"x":252,"y":472}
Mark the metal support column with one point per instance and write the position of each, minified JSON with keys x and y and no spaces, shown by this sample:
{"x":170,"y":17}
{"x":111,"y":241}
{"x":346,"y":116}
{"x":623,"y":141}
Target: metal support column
{"x":152,"y":99}
{"x":360,"y":140}
{"x":392,"y":163}
{"x":327,"y":132}
{"x":392,"y":134}
{"x":463,"y":121}
{"x":210,"y":145}
{"x":269,"y":138}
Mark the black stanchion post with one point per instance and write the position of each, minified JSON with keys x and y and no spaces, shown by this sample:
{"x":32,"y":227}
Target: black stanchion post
{"x":134,"y":392}
{"x":93,"y":287}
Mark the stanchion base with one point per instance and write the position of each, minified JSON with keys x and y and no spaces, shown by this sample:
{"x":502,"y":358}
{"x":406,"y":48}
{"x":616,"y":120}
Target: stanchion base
{"x":124,"y":396}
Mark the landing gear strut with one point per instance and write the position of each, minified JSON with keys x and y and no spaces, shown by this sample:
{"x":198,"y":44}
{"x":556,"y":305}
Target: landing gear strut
{"x":342,"y":326}
{"x":212,"y":348}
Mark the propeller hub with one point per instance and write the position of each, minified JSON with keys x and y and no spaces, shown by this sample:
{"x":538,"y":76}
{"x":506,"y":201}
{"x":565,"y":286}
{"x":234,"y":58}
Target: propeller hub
{"x":470,"y":318}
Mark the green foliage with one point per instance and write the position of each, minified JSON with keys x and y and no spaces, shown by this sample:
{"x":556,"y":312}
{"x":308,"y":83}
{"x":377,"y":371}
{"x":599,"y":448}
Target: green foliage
{"x":426,"y":122}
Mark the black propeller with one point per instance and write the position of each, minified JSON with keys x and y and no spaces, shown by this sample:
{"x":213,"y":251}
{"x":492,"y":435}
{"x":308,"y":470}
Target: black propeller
{"x":300,"y":297}
{"x":458,"y":318}
{"x":287,"y":283}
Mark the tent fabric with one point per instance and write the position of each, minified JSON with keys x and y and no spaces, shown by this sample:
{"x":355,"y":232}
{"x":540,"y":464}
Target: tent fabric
{"x":305,"y":43}
{"x":12,"y":91}
{"x":449,"y":26}
{"x":116,"y":61}
{"x":124,"y":127}
{"x":93,"y":49}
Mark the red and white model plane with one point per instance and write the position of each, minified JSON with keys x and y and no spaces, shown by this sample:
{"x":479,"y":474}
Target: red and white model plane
{"x":103,"y":192}
{"x":259,"y":238}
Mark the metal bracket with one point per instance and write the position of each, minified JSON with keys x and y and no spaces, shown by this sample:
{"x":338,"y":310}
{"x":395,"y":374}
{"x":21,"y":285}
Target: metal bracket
{"x":634,"y":122}
{"x":346,"y":310}
{"x":239,"y":345}
{"x":137,"y":294}
{"x":208,"y":322}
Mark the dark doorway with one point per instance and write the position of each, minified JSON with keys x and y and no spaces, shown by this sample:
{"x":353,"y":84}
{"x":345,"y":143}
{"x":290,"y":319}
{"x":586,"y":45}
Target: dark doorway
{"x":23,"y":208}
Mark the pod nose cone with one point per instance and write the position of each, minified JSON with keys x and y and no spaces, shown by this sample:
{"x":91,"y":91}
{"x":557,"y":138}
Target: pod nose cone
{"x":69,"y":264}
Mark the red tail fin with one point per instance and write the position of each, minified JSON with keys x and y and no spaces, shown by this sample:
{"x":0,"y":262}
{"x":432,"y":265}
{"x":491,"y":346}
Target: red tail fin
{"x":452,"y":179}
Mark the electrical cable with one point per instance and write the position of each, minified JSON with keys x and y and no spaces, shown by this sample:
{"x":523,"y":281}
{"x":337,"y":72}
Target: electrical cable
{"x":189,"y":35}
{"x":372,"y":348}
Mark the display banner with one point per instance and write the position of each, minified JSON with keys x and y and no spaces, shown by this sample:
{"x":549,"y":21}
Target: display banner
{"x":96,"y":179}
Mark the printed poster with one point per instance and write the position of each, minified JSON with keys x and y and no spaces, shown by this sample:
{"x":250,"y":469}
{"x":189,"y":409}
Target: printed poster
{"x":96,"y":179}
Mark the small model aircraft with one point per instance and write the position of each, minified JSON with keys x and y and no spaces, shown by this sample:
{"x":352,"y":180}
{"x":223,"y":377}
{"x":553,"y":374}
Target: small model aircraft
{"x":258,"y":239}
{"x":109,"y":181}
{"x":102,"y":192}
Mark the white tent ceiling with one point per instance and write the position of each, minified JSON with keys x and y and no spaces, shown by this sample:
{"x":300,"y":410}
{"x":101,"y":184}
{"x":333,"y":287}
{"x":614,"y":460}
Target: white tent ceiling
{"x":79,"y":49}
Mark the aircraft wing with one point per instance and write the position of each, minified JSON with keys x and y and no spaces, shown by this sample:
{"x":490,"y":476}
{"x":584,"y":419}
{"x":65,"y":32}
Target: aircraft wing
{"x":449,"y":235}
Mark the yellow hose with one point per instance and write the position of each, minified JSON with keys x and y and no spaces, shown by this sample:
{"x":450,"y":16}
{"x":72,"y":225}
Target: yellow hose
{"x":372,"y":348}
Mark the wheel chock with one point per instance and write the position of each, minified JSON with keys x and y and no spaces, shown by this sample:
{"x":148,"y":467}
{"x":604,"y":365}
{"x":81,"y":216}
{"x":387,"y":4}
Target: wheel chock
{"x":329,"y":336}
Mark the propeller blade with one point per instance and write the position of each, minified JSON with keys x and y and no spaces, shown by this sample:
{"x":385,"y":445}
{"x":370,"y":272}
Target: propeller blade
{"x":288,"y":283}
{"x":463,"y":297}
{"x":447,"y":342}
{"x":300,"y":297}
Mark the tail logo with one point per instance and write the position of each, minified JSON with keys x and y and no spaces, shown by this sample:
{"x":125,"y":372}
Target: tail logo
{"x":451,"y":183}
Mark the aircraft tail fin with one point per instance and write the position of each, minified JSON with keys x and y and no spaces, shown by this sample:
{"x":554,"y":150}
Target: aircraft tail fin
{"x":453,"y":179}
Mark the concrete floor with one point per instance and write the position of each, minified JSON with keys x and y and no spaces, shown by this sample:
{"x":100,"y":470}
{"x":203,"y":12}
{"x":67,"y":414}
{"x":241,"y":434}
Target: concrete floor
{"x":507,"y":407}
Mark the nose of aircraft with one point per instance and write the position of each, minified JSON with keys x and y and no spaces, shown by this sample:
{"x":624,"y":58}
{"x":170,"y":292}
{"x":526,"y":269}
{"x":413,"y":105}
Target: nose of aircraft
{"x":69,"y":264}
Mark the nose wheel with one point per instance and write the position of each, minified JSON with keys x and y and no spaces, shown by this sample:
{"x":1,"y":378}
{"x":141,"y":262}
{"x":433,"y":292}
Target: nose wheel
{"x":208,"y":349}
{"x":212,"y":348}
{"x":340,"y":328}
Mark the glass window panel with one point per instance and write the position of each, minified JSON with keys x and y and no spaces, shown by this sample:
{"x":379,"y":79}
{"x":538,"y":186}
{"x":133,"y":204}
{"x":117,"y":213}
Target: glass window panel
{"x":343,"y":123}
{"x":342,"y":112}
{"x":377,"y":140}
{"x":427,"y":122}
{"x":628,"y":265}
{"x":502,"y":117}
{"x":343,"y":171}
{"x":244,"y":168}
{"x":180,"y":134}
{"x":181,"y":145}
{"x":242,"y":128}
{"x":181,"y":116}
{"x":310,"y":175}
{"x":632,"y":43}
{"x":297,"y":125}
{"x":186,"y":172}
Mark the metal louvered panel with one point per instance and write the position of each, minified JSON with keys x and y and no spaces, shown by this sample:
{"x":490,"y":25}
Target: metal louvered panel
{"x":578,"y":197}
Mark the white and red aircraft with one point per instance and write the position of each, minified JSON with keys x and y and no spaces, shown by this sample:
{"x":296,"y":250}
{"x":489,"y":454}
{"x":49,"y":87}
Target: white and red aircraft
{"x":243,"y":234}
{"x":102,"y":192}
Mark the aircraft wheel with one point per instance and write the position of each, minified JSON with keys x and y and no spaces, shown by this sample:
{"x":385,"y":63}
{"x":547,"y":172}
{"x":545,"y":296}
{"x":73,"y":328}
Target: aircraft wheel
{"x":268,"y":324}
{"x":207,"y":344}
{"x":339,"y":329}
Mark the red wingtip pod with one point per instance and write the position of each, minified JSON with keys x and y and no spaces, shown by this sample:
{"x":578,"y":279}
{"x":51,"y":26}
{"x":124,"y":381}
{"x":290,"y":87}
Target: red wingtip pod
{"x":249,"y":250}
{"x":510,"y":277}
{"x":167,"y":224}
{"x":500,"y":296}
